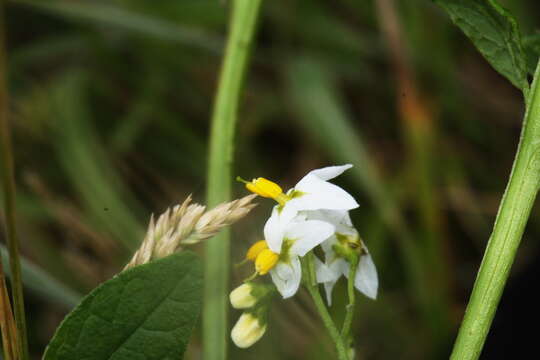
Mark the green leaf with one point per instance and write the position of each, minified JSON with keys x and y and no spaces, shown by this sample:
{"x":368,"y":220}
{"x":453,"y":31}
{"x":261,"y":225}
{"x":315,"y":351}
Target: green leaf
{"x":531,"y":44}
{"x":147,"y":312}
{"x":494,"y":32}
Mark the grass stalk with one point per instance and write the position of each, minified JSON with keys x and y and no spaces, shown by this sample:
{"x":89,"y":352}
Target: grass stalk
{"x":514,"y":211}
{"x":242,"y":28}
{"x":8,"y":187}
{"x":7,"y":323}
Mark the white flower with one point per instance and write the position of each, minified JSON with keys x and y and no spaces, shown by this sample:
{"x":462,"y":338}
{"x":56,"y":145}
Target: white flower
{"x":288,"y":232}
{"x":328,"y":273}
{"x":313,"y":192}
{"x":295,"y":239}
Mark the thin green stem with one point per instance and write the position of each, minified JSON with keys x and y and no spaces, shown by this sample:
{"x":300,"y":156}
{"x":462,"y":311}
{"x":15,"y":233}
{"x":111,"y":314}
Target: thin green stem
{"x":311,"y":284}
{"x":8,"y":187}
{"x":242,"y":28}
{"x":509,"y":225}
{"x":347,"y":323}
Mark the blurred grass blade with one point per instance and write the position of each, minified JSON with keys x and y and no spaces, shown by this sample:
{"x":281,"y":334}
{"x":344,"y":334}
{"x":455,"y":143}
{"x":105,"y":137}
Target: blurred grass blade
{"x":101,"y":12}
{"x":41,"y":283}
{"x":7,"y":179}
{"x":495,"y":33}
{"x":86,"y":162}
{"x":419,"y":130}
{"x":244,"y":17}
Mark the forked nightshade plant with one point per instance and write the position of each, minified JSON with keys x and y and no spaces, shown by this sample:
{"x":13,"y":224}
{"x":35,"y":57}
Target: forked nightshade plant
{"x":314,"y":212}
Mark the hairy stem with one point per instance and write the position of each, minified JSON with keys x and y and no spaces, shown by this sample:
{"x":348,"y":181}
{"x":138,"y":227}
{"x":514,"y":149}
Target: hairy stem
{"x":242,"y":28}
{"x":8,"y":187}
{"x":509,"y":225}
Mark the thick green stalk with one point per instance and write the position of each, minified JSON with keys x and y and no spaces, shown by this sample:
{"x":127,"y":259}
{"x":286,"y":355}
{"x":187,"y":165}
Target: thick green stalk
{"x":242,"y":28}
{"x":311,"y":284}
{"x":509,"y":225}
{"x":8,"y":187}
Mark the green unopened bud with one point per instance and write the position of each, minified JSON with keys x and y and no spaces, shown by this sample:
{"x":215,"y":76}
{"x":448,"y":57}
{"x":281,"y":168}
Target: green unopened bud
{"x":248,"y":330}
{"x":242,"y":297}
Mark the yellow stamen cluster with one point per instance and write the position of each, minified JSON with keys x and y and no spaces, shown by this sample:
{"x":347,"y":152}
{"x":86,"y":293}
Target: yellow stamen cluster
{"x":264,"y":188}
{"x":265,"y":261}
{"x":264,"y":258}
{"x":268,"y":189}
{"x":256,"y":249}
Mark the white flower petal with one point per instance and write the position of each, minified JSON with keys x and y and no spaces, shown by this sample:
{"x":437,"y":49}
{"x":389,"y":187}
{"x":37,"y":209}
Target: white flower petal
{"x":366,"y":279}
{"x":338,"y":267}
{"x":287,"y":277}
{"x":273,"y":231}
{"x":330,"y":172}
{"x":346,"y":219}
{"x":331,"y":275}
{"x":327,"y":247}
{"x":318,"y":194}
{"x":339,"y":218}
{"x":307,"y":234}
{"x":328,"y":276}
{"x":328,"y":287}
{"x":275,"y":226}
{"x":323,"y":272}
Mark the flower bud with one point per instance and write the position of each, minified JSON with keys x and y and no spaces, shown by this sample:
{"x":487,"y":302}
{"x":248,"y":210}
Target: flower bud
{"x":247,"y":330}
{"x":242,"y":298}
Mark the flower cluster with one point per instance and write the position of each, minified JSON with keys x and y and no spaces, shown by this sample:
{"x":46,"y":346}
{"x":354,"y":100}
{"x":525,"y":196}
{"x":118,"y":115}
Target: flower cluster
{"x":314,"y":212}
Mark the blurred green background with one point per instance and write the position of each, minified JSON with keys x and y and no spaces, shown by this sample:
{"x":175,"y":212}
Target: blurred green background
{"x":110,"y":106}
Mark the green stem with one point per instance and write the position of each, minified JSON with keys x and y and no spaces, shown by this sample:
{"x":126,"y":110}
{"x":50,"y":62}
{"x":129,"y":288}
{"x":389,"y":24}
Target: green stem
{"x":242,"y":29}
{"x":8,"y":187}
{"x":347,"y":323}
{"x":311,"y":284}
{"x":509,"y":225}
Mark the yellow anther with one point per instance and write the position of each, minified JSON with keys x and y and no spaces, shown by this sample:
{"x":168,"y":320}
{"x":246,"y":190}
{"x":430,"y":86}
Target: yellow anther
{"x":265,"y":261}
{"x":264,"y":188}
{"x":256,"y":249}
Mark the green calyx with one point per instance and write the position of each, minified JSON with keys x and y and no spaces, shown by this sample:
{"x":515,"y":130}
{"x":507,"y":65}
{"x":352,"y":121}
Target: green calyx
{"x":262,"y":292}
{"x":260,"y":311}
{"x":349,"y":247}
